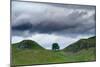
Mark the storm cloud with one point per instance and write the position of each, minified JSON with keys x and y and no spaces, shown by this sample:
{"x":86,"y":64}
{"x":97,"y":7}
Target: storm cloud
{"x":53,"y":20}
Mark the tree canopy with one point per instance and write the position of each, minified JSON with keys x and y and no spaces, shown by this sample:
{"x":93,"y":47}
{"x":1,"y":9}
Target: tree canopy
{"x":55,"y":46}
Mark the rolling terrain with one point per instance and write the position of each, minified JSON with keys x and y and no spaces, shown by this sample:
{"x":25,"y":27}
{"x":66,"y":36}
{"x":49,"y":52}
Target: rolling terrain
{"x":29,"y":52}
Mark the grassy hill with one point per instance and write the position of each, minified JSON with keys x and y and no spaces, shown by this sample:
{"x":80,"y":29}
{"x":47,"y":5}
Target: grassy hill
{"x":82,"y":44}
{"x":29,"y":52}
{"x":27,"y":44}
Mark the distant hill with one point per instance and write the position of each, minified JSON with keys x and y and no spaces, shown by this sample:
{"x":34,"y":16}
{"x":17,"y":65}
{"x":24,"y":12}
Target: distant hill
{"x":28,"y":52}
{"x":27,"y":44}
{"x":82,"y":44}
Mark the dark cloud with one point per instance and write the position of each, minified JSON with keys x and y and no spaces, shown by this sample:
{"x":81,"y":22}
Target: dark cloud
{"x":22,"y":27}
{"x":58,"y":19}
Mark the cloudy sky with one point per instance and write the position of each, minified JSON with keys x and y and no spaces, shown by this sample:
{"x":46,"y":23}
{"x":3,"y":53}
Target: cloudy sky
{"x":47,"y":23}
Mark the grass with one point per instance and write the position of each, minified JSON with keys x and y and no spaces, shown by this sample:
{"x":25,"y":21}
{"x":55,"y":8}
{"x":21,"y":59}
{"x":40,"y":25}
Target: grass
{"x":33,"y":53}
{"x":31,"y":56}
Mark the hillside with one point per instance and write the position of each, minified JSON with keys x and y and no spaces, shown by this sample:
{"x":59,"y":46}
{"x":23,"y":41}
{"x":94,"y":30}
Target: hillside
{"x":82,"y":44}
{"x":29,"y":52}
{"x":27,"y":44}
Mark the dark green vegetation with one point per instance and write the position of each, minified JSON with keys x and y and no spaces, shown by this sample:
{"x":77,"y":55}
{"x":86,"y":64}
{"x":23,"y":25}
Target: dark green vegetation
{"x":29,"y":52}
{"x":82,"y":44}
{"x":55,"y":46}
{"x":27,"y":44}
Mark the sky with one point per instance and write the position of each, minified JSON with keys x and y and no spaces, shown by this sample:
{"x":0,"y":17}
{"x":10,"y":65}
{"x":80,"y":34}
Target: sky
{"x":48,"y":23}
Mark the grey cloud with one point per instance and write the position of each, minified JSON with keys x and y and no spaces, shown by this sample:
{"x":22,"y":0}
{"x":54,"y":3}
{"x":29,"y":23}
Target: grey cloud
{"x":52,"y":19}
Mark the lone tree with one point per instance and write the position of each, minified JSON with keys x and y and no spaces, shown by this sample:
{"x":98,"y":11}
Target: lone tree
{"x":55,"y":46}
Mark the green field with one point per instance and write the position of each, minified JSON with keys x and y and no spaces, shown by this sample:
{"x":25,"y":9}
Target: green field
{"x":39,"y":55}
